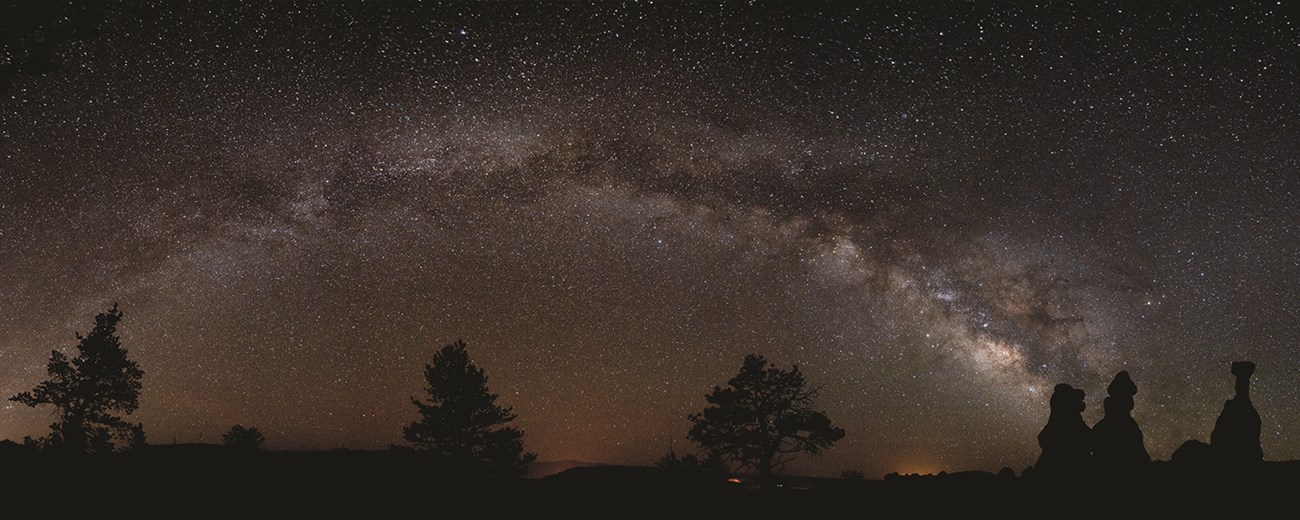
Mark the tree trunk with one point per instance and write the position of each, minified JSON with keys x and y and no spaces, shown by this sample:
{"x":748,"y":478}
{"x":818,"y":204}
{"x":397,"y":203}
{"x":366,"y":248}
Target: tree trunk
{"x":73,"y":432}
{"x":765,"y":473}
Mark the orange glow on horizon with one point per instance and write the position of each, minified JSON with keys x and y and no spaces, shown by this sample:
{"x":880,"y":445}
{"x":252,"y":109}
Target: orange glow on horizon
{"x":916,"y":469}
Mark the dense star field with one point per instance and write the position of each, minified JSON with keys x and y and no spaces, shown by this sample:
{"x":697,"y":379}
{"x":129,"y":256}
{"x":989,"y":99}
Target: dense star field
{"x":938,"y":210}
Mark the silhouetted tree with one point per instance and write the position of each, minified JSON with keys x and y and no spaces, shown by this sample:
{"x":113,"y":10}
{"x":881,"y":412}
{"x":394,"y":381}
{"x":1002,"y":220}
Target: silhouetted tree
{"x":243,"y":438}
{"x":763,"y":419}
{"x":461,"y":421}
{"x":852,"y":474}
{"x":90,"y":390}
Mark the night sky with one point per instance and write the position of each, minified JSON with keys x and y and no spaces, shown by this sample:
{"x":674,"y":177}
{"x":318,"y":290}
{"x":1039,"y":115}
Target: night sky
{"x":938,"y":210}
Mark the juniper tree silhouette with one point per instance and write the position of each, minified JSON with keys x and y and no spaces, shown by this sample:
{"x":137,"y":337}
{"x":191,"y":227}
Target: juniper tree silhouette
{"x":763,"y":419}
{"x":243,"y":438}
{"x":89,"y":390}
{"x":461,"y":422}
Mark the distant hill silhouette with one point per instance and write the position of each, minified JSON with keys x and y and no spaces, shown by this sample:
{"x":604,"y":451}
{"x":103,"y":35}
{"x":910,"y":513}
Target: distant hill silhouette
{"x":548,"y":468}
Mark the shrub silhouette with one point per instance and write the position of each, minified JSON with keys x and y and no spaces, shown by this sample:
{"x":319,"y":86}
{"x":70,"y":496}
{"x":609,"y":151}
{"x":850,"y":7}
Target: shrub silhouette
{"x":689,"y":464}
{"x":852,"y":474}
{"x":243,"y":438}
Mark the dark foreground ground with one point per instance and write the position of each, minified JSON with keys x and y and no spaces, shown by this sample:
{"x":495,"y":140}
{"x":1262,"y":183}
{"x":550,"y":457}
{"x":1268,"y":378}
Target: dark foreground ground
{"x":209,"y":481}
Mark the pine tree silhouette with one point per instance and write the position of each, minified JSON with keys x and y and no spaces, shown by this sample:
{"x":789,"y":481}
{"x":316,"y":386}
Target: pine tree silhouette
{"x":89,"y":391}
{"x":461,"y":421}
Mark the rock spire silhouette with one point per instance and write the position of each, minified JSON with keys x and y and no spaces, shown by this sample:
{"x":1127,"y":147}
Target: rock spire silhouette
{"x":1236,"y":432}
{"x":1117,"y":439}
{"x":1066,"y":440}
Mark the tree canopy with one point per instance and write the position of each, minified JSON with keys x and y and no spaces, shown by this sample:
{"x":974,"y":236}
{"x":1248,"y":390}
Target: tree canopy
{"x":89,"y":391}
{"x":242,"y":437}
{"x":461,"y":422}
{"x":763,"y":419}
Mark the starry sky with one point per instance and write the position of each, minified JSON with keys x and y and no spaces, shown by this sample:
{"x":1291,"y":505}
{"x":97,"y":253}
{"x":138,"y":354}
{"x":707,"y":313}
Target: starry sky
{"x":938,"y":210}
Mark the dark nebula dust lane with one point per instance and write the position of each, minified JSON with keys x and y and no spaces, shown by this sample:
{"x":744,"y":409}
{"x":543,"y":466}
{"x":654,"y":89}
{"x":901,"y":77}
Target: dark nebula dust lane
{"x":938,"y":211}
